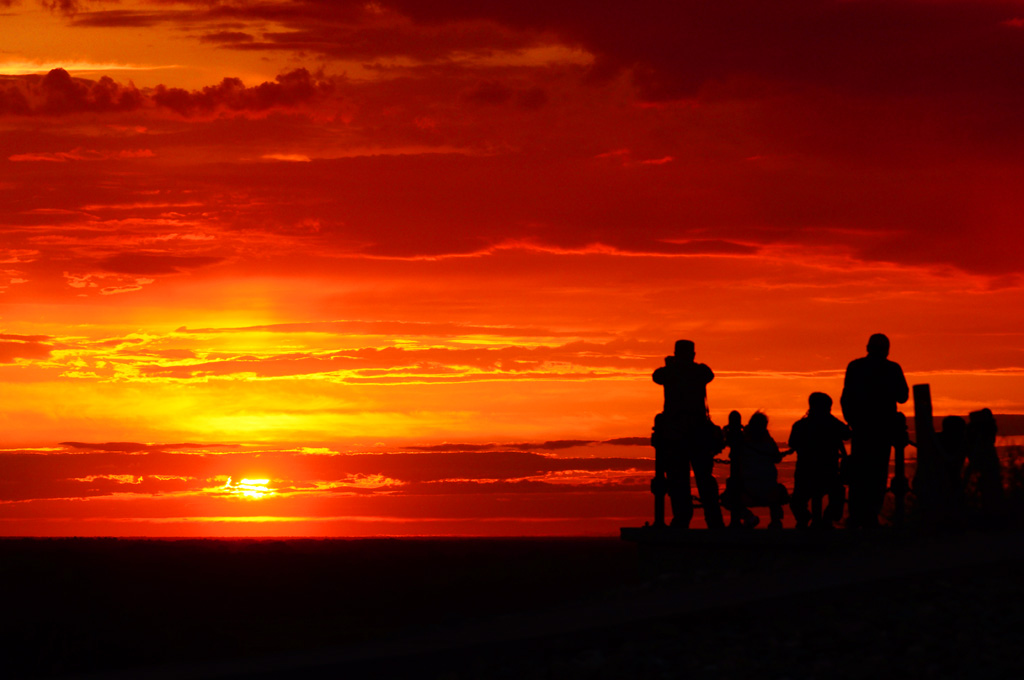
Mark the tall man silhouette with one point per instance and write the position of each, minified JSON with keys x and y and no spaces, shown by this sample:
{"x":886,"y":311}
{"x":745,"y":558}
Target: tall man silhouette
{"x":682,"y":436}
{"x":872,"y":389}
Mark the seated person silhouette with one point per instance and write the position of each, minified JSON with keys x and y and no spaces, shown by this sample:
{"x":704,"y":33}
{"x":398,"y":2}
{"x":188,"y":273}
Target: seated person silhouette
{"x":983,"y":474}
{"x":938,"y":481}
{"x":952,"y":452}
{"x":754,"y":479}
{"x":818,"y":440}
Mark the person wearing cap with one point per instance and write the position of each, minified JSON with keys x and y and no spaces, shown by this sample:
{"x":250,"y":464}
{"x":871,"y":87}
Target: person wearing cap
{"x":683,"y":436}
{"x":873,"y":387}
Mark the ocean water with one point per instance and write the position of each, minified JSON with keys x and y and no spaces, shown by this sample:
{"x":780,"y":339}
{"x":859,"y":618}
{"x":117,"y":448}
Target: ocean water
{"x":567,"y":488}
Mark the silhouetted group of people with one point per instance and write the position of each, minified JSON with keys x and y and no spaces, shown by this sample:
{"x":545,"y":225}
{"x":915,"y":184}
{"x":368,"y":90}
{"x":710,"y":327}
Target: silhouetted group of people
{"x":685,"y":438}
{"x":968,"y":469}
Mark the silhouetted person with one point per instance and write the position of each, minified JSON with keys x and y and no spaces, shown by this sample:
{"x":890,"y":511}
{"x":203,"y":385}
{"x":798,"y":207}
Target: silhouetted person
{"x":900,"y":484}
{"x":685,"y":437}
{"x":818,"y":439}
{"x":953,"y":440}
{"x":739,"y":515}
{"x":756,"y":479}
{"x":983,"y":475}
{"x":872,"y":389}
{"x":733,"y":436}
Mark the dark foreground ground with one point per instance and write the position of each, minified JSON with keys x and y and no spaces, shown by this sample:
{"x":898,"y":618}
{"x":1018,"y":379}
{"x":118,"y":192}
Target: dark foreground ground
{"x":848,"y":606}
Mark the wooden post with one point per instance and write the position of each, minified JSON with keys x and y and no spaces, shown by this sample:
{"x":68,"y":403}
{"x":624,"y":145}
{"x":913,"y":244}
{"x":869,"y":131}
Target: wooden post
{"x":924,"y":422}
{"x":927,"y":477}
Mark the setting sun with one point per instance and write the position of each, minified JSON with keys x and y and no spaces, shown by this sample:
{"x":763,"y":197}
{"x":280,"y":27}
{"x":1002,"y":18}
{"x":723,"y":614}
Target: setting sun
{"x":249,"y":488}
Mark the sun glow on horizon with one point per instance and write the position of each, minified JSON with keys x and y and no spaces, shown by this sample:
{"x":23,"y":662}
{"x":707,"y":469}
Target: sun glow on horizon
{"x":17,"y":67}
{"x":253,"y":489}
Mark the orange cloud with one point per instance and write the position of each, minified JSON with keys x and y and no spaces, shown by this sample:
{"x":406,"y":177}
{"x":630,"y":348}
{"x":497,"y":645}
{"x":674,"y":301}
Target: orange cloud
{"x":14,"y":347}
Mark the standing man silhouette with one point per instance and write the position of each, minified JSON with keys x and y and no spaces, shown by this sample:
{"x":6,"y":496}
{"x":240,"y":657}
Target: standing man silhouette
{"x":872,"y":389}
{"x":683,"y":436}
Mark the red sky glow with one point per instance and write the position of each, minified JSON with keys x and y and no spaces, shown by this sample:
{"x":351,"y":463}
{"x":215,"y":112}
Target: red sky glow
{"x":413,"y":262}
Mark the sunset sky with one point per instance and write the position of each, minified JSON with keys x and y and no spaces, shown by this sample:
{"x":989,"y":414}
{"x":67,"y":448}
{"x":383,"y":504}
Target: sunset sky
{"x":411,"y":263}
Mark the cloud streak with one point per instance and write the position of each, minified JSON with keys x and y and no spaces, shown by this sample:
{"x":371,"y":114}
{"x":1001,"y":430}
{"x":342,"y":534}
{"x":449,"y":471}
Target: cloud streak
{"x":81,"y":155}
{"x":60,"y":94}
{"x":30,"y":347}
{"x":106,"y":470}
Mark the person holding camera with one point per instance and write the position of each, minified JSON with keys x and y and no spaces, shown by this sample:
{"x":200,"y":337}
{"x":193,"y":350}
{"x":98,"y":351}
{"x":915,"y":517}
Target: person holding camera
{"x":685,"y":437}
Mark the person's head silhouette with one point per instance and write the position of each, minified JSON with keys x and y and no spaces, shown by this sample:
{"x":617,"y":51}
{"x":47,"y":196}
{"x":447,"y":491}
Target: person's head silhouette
{"x":878,"y":346}
{"x":735,"y":419}
{"x":954,"y":426}
{"x":982,"y":417}
{"x":757,"y":424}
{"x":982,"y":427}
{"x":819,"y":403}
{"x":685,"y":350}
